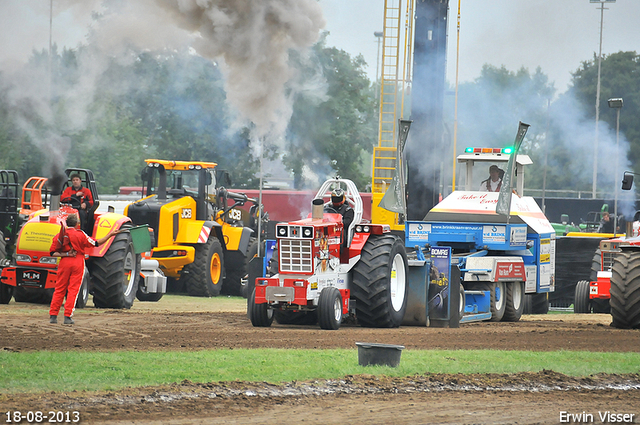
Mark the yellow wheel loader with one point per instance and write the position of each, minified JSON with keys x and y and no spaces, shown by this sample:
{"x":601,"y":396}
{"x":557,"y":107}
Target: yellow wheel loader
{"x":203,"y":241}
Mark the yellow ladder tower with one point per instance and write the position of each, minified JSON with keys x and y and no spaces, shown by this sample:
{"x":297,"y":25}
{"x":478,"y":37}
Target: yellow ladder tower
{"x":384,"y":155}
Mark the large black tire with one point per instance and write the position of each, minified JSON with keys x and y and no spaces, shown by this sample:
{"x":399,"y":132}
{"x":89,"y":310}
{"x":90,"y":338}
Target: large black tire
{"x":261,"y":315}
{"x":6,"y":292}
{"x":625,"y":290}
{"x":380,"y":283}
{"x":330,"y":309}
{"x":83,"y":294}
{"x":581,"y":301}
{"x":203,"y":277}
{"x":514,"y":302}
{"x":536,"y":303}
{"x":115,"y":276}
{"x":289,"y":317}
{"x":236,"y":264}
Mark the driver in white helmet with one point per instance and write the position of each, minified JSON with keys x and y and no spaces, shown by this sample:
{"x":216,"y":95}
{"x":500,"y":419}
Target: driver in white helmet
{"x":339,"y":205}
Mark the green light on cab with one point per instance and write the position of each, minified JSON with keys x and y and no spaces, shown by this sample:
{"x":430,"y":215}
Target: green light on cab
{"x":507,"y":150}
{"x":468,"y":150}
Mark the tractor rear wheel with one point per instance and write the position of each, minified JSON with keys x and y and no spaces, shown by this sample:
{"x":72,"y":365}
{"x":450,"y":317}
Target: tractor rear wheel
{"x":115,"y":275}
{"x":625,"y":290}
{"x":514,"y":302}
{"x":237,"y":264}
{"x":330,"y":308}
{"x":380,"y":282}
{"x":203,"y":277}
{"x":261,"y":315}
{"x":581,"y":301}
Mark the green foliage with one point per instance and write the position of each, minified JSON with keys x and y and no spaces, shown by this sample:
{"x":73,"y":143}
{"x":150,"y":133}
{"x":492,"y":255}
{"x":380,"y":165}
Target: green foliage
{"x":619,"y":77}
{"x":47,"y":371}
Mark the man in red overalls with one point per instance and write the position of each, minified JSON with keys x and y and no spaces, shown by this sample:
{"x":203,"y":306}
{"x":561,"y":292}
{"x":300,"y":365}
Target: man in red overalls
{"x":71,"y":267}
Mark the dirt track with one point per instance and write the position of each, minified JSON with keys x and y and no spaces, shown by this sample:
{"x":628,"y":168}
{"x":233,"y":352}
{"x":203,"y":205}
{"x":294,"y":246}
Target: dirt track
{"x":176,"y":324}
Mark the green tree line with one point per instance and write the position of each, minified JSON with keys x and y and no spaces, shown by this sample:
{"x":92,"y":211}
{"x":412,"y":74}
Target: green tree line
{"x":172,"y":105}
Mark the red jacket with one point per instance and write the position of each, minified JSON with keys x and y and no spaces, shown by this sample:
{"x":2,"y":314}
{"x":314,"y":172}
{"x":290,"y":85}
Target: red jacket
{"x":83,"y":194}
{"x":78,"y":239}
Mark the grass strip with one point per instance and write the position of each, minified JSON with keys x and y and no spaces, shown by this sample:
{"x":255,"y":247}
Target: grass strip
{"x":49,"y":371}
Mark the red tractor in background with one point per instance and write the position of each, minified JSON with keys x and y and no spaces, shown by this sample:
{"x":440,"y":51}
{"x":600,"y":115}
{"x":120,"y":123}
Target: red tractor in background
{"x":113,"y":273}
{"x":618,"y":278}
{"x":327,"y":272}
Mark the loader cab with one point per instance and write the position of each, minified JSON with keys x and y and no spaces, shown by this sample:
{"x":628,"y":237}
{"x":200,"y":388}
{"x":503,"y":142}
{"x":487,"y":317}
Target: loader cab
{"x":478,"y":162}
{"x":171,"y":180}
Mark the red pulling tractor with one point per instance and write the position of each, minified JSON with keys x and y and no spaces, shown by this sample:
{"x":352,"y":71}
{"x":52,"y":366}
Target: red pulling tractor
{"x":616,"y":266}
{"x":328,"y":272}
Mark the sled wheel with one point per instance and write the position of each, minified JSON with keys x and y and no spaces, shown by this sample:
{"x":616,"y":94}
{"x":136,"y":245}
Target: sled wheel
{"x":514,"y":302}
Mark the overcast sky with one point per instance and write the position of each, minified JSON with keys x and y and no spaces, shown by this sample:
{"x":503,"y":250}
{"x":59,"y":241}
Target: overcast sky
{"x":556,"y":35}
{"x":553,"y":34}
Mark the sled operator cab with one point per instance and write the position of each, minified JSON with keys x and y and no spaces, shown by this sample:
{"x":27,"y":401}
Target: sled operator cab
{"x":512,"y":257}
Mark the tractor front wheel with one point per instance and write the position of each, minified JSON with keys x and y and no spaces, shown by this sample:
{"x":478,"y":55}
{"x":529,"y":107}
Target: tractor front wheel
{"x":83,"y":293}
{"x":380,"y":283}
{"x":581,"y":301}
{"x":261,"y":315}
{"x":115,"y":276}
{"x":203,"y":277}
{"x":330,"y":308}
{"x":625,"y":290}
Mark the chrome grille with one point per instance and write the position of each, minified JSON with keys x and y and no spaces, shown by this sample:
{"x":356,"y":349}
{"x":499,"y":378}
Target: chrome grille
{"x":296,"y":256}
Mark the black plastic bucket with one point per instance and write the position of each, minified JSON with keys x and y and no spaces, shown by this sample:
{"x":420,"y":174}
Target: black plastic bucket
{"x":371,"y":354}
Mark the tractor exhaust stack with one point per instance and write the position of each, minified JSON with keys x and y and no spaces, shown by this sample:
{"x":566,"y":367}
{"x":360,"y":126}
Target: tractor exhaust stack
{"x":317,"y":209}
